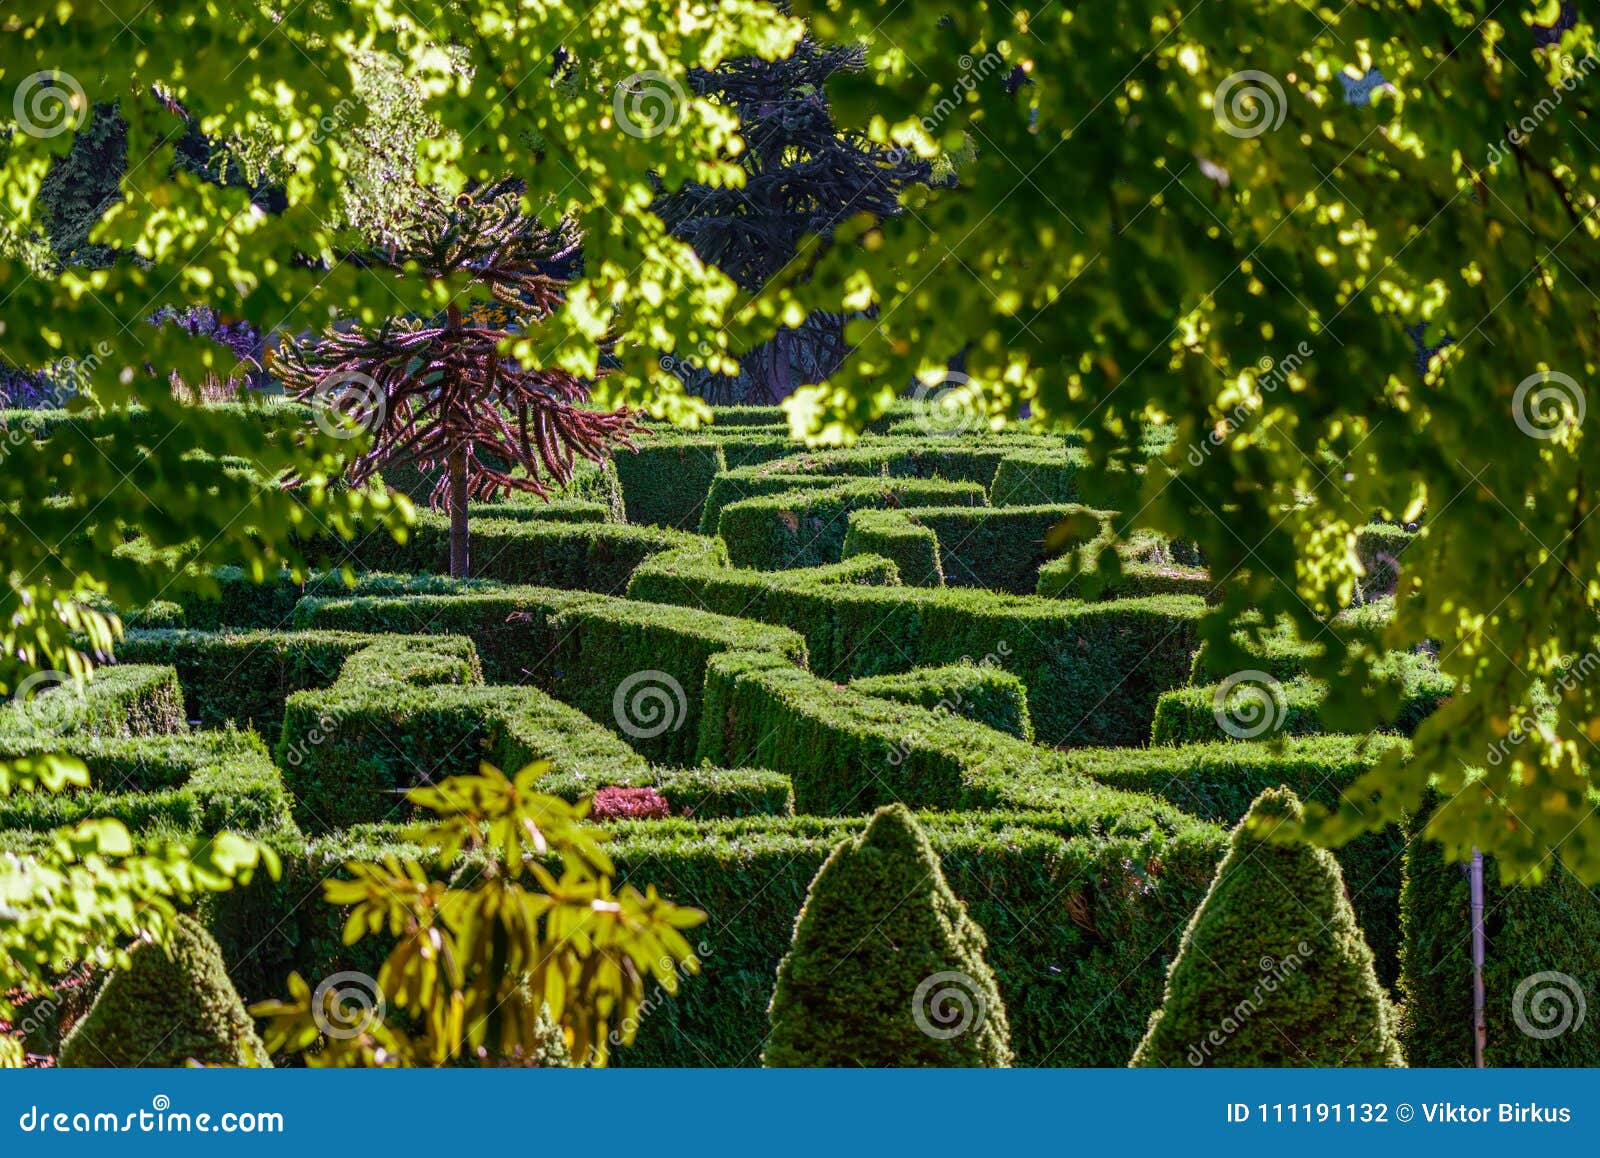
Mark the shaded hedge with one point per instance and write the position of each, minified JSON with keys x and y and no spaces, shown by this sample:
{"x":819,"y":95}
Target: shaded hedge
{"x":994,"y":548}
{"x":1093,"y":670}
{"x":1218,"y":781}
{"x":1082,"y":909}
{"x":172,"y":1005}
{"x":807,"y":528}
{"x":665,"y":480}
{"x":1549,"y":933}
{"x":639,"y":668}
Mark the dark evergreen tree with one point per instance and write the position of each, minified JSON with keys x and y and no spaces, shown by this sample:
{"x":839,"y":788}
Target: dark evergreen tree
{"x":886,"y":967}
{"x":803,"y":177}
{"x":1273,"y":969}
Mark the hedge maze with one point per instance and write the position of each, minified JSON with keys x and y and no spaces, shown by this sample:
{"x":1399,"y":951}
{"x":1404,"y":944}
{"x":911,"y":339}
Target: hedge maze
{"x":775,"y":645}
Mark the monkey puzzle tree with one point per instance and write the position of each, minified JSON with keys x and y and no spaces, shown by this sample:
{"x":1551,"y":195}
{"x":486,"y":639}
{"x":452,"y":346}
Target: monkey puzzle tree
{"x":440,"y":393}
{"x":803,"y":177}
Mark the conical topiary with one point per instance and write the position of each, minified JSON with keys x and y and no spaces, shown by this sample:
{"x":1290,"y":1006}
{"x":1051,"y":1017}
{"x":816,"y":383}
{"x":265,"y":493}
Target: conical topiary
{"x":1273,"y":969}
{"x":886,"y":967}
{"x":170,"y":1005}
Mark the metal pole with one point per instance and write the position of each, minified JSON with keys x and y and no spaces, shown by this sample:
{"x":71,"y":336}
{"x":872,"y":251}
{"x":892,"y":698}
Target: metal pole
{"x":1480,"y":1029}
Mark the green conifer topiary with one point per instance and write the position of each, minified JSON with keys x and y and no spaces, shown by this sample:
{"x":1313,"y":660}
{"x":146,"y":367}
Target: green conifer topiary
{"x":1273,"y":969}
{"x":886,"y":967}
{"x":172,"y":1004}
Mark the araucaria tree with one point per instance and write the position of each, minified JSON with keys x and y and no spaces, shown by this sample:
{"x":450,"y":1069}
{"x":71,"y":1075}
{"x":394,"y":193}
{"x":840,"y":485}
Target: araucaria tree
{"x":803,"y":177}
{"x":441,"y":393}
{"x":1273,"y":969}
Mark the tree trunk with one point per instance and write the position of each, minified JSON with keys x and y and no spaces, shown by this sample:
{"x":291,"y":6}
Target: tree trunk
{"x":459,"y":559}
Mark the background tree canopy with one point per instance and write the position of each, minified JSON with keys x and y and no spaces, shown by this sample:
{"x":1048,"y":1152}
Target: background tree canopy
{"x":1244,"y":220}
{"x":1229,"y":217}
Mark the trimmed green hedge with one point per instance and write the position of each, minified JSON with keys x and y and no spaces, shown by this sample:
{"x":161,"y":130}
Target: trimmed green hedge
{"x":1218,"y":782}
{"x":806,"y":528}
{"x":509,"y":626}
{"x":640,"y":668}
{"x":127,"y":700}
{"x":1093,"y":670}
{"x":244,"y":678}
{"x":575,"y":556}
{"x":665,"y":481}
{"x":994,"y":548}
{"x":732,"y":486}
{"x":178,"y":785}
{"x":912,"y":547}
{"x":848,"y":753}
{"x":704,"y":793}
{"x":1189,"y":715}
{"x":1083,"y":911}
{"x":984,"y":695}
{"x":1067,"y":579}
{"x":1043,"y":475}
{"x":349,"y":751}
